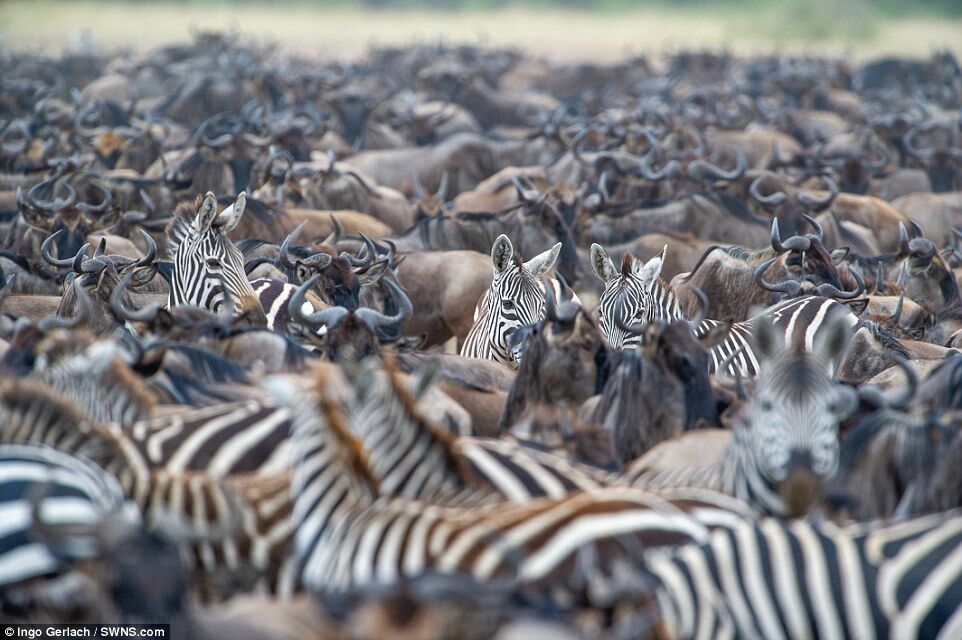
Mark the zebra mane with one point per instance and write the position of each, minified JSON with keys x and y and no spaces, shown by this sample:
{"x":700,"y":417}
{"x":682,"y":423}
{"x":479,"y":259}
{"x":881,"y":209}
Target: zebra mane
{"x":443,"y":437}
{"x":32,"y":412}
{"x":209,"y":366}
{"x":181,"y":221}
{"x":348,"y":447}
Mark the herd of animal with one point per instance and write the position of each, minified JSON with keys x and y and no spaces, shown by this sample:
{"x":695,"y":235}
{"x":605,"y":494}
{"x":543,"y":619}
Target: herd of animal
{"x":454,"y":342}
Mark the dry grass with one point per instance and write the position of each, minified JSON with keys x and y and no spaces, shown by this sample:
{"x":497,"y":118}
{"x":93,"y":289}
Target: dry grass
{"x":346,"y":33}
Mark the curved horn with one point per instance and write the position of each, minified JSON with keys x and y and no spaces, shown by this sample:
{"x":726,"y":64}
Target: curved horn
{"x":151,"y":255}
{"x":327,"y":318}
{"x":813,"y":203}
{"x":903,"y":239}
{"x":357,"y":261}
{"x":106,"y":200}
{"x":55,"y":262}
{"x":774,"y":199}
{"x":702,"y":169}
{"x":787,"y":287}
{"x":285,"y":246}
{"x":375,"y":319}
{"x":830,"y":291}
{"x":819,"y":232}
{"x":897,"y":314}
{"x":147,"y":314}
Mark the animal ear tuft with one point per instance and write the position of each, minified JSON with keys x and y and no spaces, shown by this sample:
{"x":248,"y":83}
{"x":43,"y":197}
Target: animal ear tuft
{"x":542,"y":263}
{"x":230,"y":216}
{"x":207,"y":211}
{"x":601,"y":263}
{"x":501,"y":253}
{"x":649,"y":272}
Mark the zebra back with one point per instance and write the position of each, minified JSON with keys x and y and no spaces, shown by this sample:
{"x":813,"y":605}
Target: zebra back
{"x":40,"y":483}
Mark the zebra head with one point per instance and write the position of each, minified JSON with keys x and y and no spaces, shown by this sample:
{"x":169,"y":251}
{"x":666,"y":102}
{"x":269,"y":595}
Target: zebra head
{"x":638,"y":288}
{"x":789,"y":429}
{"x":515,"y":299}
{"x":208,"y":268}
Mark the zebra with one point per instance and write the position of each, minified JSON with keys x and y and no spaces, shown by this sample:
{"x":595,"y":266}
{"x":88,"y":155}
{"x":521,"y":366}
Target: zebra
{"x":240,"y":523}
{"x":208,"y":269}
{"x":780,"y":579}
{"x":643,"y":297}
{"x":416,"y":457}
{"x":38,"y":482}
{"x":515,"y":299}
{"x":785,"y":438}
{"x":349,"y":534}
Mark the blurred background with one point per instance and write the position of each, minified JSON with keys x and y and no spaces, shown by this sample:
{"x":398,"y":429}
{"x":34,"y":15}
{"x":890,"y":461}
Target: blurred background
{"x":572,"y":29}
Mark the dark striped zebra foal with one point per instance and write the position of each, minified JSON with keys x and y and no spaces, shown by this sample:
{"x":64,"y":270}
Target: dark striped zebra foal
{"x":643,"y":297}
{"x":785,"y":439}
{"x":515,"y":299}
{"x":788,"y":579}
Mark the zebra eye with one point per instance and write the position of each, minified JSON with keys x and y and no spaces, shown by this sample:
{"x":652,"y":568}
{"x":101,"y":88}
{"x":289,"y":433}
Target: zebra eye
{"x":508,"y":304}
{"x":213,"y":263}
{"x":766,"y":405}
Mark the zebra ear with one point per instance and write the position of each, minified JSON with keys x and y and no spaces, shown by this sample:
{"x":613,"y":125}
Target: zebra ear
{"x":767,"y":340}
{"x":207,"y":211}
{"x":230,"y":216}
{"x":542,"y":263}
{"x":649,"y":273}
{"x":832,"y":341}
{"x":601,"y":263}
{"x":501,"y":254}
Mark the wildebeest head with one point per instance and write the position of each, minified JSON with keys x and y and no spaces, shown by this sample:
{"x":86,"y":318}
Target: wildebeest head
{"x":923,"y":273}
{"x":349,"y":333}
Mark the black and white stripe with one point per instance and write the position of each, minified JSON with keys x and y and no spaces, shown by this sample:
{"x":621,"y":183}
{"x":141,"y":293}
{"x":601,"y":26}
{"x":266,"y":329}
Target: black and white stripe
{"x":62,"y":490}
{"x":642,"y":297}
{"x":788,"y":579}
{"x":515,"y":299}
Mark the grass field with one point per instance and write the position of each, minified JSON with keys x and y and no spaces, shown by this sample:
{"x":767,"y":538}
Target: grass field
{"x":817,"y":26}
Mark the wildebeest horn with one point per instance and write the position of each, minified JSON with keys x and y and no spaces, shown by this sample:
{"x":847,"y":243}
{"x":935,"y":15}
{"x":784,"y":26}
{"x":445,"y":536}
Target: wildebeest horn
{"x":284,"y":255}
{"x":795,"y":243}
{"x":885,"y":156}
{"x":788,"y":287}
{"x":924,"y":153}
{"x":325,"y":318}
{"x":813,"y":203}
{"x":335,"y":234}
{"x":151,"y":255}
{"x":148,"y":314}
{"x":56,"y":322}
{"x":376,"y":320}
{"x":831,"y":291}
{"x":819,"y":232}
{"x":55,"y":262}
{"x":903,"y":239}
{"x":702,"y":169}
{"x":897,"y":314}
{"x":774,"y":199}
{"x":644,"y":165}
{"x":107,"y":198}
{"x":357,"y":261}
{"x":57,"y":204}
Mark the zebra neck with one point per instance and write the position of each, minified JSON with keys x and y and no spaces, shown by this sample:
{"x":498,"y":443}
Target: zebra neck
{"x":411,"y":455}
{"x":664,"y":303}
